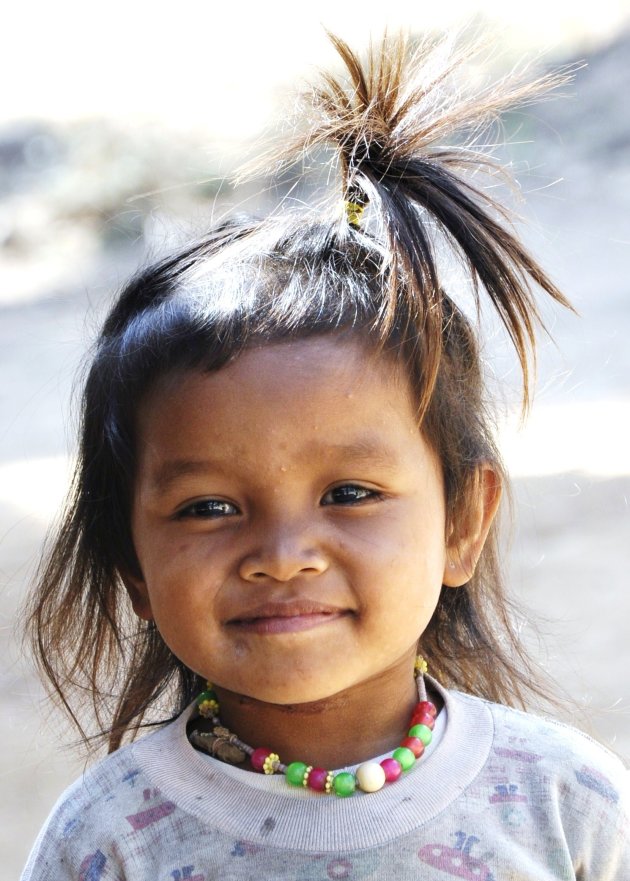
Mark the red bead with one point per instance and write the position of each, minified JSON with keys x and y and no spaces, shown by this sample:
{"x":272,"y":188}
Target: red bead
{"x":426,"y":707}
{"x":258,"y":757}
{"x":317,"y":779}
{"x":392,"y":768}
{"x":414,"y":744}
{"x":422,"y":719}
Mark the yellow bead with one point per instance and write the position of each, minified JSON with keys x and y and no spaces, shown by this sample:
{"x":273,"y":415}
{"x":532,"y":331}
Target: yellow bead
{"x":420,"y":665}
{"x":208,"y":708}
{"x":269,"y":765}
{"x":370,"y":777}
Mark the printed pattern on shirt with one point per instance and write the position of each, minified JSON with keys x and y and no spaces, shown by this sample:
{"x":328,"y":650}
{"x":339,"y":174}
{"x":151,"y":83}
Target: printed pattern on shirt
{"x":543,"y":808}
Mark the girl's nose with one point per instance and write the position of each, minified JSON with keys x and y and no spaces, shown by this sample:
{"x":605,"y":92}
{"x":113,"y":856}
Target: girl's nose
{"x":282,"y":558}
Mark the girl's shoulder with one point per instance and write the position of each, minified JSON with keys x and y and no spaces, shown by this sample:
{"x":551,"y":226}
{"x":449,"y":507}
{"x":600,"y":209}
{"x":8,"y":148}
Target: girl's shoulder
{"x":97,"y":785}
{"x":532,"y":745}
{"x":111,"y":796}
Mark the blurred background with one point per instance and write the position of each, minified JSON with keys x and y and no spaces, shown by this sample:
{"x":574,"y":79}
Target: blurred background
{"x":118,"y":127}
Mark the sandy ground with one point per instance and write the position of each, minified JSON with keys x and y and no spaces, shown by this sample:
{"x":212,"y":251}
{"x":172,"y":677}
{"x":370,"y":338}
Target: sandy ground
{"x":570,"y":558}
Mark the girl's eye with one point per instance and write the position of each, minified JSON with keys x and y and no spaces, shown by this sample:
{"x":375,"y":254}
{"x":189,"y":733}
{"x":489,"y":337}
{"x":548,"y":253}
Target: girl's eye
{"x":349,"y":494}
{"x":207,"y":508}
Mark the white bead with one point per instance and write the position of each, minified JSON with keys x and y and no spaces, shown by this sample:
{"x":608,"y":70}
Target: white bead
{"x":370,"y":777}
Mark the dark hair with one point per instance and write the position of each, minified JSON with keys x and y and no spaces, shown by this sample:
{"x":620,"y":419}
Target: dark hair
{"x":290,"y":276}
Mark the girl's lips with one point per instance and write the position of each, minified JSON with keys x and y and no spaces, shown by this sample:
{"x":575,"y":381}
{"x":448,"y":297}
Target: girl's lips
{"x":286,"y":623}
{"x":287,"y":617}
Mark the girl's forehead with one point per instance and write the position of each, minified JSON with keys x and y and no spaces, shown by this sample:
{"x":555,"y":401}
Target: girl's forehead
{"x":300,"y":395}
{"x":321,"y":366}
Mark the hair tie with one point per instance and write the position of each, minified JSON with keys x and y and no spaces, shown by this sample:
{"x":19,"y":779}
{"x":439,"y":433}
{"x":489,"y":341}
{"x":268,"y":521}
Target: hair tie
{"x":354,"y":213}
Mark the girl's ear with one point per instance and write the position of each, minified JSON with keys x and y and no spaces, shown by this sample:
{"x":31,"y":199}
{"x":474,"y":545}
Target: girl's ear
{"x":139,"y":595}
{"x":465,"y":544}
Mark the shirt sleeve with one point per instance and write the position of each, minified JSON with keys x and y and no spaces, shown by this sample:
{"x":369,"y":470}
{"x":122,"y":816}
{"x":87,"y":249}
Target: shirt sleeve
{"x":70,"y":849}
{"x":598,"y":821}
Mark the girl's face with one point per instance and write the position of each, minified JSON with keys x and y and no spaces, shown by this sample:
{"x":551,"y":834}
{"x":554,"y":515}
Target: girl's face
{"x":289,"y":520}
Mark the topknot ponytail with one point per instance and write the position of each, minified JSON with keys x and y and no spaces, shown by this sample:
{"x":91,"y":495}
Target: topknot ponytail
{"x":390,"y":122}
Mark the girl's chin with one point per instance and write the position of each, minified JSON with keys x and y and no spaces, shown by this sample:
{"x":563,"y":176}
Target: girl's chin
{"x":303,"y":675}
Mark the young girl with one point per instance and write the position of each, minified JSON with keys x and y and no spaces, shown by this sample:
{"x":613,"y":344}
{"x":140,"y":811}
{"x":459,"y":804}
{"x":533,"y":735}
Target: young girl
{"x":287,"y":468}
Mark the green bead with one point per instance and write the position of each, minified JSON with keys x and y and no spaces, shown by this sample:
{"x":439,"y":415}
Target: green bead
{"x":295,"y":773}
{"x":404,"y":756}
{"x":344,"y":784}
{"x":207,"y":696}
{"x":423,"y":732}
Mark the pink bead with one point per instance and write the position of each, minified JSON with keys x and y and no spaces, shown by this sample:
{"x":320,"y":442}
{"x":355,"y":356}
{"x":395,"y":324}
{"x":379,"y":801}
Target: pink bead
{"x":425,"y":707}
{"x":422,"y":719}
{"x":258,"y":757}
{"x":414,"y":744}
{"x":392,"y":768}
{"x":317,"y":779}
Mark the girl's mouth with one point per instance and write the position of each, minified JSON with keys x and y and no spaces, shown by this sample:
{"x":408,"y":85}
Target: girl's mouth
{"x":290,"y":617}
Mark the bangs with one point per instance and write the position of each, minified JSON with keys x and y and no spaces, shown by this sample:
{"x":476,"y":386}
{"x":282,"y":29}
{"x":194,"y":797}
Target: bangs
{"x":250,"y":286}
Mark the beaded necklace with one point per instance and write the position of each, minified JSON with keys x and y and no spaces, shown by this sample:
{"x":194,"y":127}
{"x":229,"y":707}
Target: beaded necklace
{"x":369,"y":777}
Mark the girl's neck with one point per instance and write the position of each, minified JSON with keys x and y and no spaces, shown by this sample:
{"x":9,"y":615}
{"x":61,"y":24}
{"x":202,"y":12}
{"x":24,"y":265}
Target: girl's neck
{"x":342,"y":730}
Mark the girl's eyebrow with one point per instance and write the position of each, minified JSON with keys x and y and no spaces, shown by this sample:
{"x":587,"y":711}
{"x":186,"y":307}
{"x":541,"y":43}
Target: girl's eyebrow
{"x":171,"y":471}
{"x":363,"y":451}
